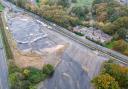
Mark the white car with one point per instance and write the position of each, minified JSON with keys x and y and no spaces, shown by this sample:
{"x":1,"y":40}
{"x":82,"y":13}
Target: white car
{"x":54,"y":24}
{"x":49,"y":27}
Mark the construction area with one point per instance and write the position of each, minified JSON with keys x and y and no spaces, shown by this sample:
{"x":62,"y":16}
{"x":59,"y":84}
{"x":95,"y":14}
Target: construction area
{"x":34,"y":44}
{"x":29,"y":42}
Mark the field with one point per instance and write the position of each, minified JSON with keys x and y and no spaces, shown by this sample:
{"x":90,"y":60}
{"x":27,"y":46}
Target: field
{"x":84,"y":3}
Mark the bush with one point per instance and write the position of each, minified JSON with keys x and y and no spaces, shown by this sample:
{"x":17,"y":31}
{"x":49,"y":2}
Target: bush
{"x":48,"y":70}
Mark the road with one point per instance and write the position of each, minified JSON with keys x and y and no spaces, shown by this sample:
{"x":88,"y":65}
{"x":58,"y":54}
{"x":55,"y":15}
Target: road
{"x":3,"y":68}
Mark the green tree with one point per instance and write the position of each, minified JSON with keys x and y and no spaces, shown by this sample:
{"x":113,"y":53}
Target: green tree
{"x":34,"y":75}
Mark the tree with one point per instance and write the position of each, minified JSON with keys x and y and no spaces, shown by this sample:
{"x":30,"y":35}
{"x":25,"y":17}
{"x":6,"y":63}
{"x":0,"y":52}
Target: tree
{"x":15,"y":81}
{"x":108,"y":10}
{"x":102,"y":1}
{"x":120,"y":46}
{"x":121,"y":22}
{"x":37,"y":1}
{"x":122,"y":32}
{"x":64,"y":3}
{"x":26,"y":72}
{"x":58,"y":15}
{"x":119,"y":26}
{"x":33,"y":75}
{"x":43,"y":2}
{"x":120,"y":73}
{"x":81,"y":12}
{"x":112,"y":14}
{"x":13,"y":68}
{"x":74,"y":1}
{"x":21,"y":3}
{"x":105,"y":81}
{"x":109,"y":28}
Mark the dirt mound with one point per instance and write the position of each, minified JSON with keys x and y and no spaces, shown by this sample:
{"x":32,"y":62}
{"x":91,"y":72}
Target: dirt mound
{"x":48,"y":56}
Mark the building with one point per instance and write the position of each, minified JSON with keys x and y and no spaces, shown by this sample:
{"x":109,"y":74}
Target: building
{"x":93,"y":34}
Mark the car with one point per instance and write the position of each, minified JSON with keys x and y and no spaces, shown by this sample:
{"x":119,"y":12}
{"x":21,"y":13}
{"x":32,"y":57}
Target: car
{"x":54,"y":24}
{"x":49,"y":27}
